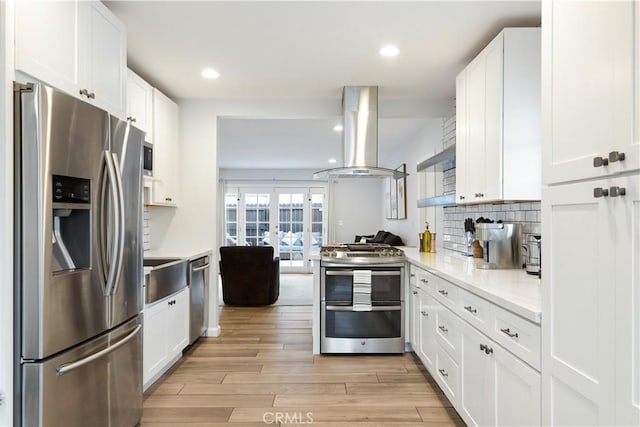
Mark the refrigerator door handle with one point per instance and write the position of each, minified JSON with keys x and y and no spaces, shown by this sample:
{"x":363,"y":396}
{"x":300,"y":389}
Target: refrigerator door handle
{"x":68,"y":367}
{"x":121,"y":234}
{"x":117,"y":228}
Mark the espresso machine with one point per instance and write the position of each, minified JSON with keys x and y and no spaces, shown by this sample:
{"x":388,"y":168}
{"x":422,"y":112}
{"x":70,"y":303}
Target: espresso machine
{"x":501,"y":243}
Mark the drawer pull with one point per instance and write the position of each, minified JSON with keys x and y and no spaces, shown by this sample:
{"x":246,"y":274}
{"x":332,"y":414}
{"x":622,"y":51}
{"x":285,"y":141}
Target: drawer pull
{"x":414,"y":292}
{"x":508,"y":332}
{"x":412,"y":275}
{"x":443,"y":329}
{"x":470,"y":310}
{"x":443,"y":372}
{"x":443,"y":292}
{"x":424,"y":313}
{"x":425,"y":281}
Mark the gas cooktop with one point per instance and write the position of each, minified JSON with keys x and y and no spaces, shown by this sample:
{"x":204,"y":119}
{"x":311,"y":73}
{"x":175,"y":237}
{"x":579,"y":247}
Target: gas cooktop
{"x":361,"y":253}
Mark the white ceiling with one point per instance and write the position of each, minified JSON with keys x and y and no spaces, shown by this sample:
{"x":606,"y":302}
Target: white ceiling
{"x":308,"y":50}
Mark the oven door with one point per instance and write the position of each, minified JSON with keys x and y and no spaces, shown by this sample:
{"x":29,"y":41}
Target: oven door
{"x":386,"y":285}
{"x":344,"y":330}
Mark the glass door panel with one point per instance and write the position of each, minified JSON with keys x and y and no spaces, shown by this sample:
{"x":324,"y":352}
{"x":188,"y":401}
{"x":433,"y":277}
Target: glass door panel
{"x":291,"y":229}
{"x":231,"y":219}
{"x":256,"y":214}
{"x":317,"y":221}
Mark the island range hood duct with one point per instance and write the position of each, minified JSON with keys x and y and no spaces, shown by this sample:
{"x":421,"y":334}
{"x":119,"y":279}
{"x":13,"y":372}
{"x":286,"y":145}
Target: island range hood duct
{"x":360,"y":136}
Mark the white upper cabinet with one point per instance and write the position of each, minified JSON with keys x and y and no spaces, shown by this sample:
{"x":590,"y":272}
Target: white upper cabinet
{"x":590,"y":98}
{"x":166,"y":162}
{"x":79,"y":47}
{"x":140,"y":104}
{"x":498,"y":121}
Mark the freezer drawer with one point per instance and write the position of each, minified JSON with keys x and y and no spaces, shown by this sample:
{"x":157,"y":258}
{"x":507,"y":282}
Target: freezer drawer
{"x":98,"y":383}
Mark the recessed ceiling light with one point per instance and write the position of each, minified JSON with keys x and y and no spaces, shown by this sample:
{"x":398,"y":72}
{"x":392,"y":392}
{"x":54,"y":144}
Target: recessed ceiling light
{"x":389,"y":50}
{"x":210,"y":73}
{"x":332,"y":160}
{"x":337,"y":128}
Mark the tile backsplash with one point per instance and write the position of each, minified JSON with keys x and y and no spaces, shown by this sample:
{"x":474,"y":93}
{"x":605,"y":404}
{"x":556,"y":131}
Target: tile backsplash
{"x":146,"y":230}
{"x":527,"y":213}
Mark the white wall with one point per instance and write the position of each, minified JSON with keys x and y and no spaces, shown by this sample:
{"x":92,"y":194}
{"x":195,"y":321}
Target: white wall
{"x":6,"y":212}
{"x":423,"y":145}
{"x":355,"y":208}
{"x":270,"y":175}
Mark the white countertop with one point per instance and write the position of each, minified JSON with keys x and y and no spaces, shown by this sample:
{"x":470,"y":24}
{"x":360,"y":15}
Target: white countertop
{"x":514,"y":290}
{"x":180,"y":253}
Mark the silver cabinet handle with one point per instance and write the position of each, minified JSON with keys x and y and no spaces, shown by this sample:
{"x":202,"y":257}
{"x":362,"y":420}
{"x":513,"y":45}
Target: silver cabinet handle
{"x":425,"y":281}
{"x":461,"y":197}
{"x":67,"y":367}
{"x":414,"y":292}
{"x":600,"y":161}
{"x":443,"y":292}
{"x":443,"y":372}
{"x":506,"y":331}
{"x":470,"y":309}
{"x":424,"y":313}
{"x":483,"y":347}
{"x":168,"y":199}
{"x":84,"y":92}
{"x":615,"y":156}
{"x":412,"y":275}
{"x":443,"y":329}
{"x":373,"y":308}
{"x":202,"y":267}
{"x":132,"y":119}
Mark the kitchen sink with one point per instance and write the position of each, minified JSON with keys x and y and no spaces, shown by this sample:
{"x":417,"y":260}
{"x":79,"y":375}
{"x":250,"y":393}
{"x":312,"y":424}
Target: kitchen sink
{"x":167,"y":276}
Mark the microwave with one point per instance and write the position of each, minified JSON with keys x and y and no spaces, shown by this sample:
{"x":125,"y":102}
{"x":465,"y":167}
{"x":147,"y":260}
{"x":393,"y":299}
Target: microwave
{"x":147,"y":159}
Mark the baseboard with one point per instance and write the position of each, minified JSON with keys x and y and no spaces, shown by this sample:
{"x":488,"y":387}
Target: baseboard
{"x":213,"y":332}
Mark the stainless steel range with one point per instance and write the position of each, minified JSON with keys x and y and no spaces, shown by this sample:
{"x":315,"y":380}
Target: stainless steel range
{"x":362,"y":299}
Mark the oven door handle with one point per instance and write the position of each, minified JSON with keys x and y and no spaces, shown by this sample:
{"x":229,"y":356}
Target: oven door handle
{"x":374,"y":308}
{"x":350,"y":273}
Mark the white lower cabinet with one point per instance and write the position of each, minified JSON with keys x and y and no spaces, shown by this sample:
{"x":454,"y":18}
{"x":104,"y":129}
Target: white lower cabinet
{"x":485,"y":359}
{"x":166,"y":334}
{"x":496,"y":388}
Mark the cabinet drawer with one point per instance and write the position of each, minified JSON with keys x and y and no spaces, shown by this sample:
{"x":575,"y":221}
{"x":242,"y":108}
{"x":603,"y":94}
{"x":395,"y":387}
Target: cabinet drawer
{"x":445,"y":292}
{"x":422,"y":278}
{"x":447,"y":330}
{"x":517,"y":335}
{"x":475,"y":310}
{"x":447,"y":375}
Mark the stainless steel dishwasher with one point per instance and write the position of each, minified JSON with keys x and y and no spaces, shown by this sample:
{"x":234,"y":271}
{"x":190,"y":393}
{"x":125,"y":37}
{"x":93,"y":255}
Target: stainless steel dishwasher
{"x":199,"y":284}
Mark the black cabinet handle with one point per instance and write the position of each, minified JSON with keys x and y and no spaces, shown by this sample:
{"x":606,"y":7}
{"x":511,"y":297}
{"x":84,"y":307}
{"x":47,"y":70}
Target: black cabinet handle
{"x":600,"y":192}
{"x":470,"y":309}
{"x":616,"y":156}
{"x":599,"y":161}
{"x":443,"y":372}
{"x":617,"y":191}
{"x":443,"y":292}
{"x":506,"y":331}
{"x":443,"y":329}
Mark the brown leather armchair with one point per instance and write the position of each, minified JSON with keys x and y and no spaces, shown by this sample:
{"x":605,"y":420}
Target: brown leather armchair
{"x":250,"y":275}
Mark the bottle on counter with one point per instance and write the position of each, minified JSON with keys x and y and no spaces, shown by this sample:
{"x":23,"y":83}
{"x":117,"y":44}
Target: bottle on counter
{"x":433,"y":243}
{"x":426,"y":239}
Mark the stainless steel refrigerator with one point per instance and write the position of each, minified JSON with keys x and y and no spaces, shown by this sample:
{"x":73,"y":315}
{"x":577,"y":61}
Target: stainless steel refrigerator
{"x":78,"y":262}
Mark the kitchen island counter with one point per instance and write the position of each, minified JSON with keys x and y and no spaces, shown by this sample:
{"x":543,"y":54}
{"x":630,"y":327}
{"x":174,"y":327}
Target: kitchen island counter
{"x":511,"y":289}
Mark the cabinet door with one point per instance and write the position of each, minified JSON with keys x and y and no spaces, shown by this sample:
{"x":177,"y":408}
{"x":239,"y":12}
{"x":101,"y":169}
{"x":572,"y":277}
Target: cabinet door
{"x":475,"y":161}
{"x":104,"y":57}
{"x":462,"y":125}
{"x":414,"y":308}
{"x":493,"y":54}
{"x":578,"y":288}
{"x":476,"y":372}
{"x":139,"y":104}
{"x":46,"y":40}
{"x":516,"y":391}
{"x":178,"y":318}
{"x":155,"y":352}
{"x":627,"y":286}
{"x":428,"y":344}
{"x":165,"y":149}
{"x":588,"y":77}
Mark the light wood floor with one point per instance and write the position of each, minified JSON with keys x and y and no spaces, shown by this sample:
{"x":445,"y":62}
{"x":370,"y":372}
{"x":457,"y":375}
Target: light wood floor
{"x":262,"y":368}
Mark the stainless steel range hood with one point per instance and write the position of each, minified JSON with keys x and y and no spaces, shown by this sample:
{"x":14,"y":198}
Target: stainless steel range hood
{"x":360,"y":136}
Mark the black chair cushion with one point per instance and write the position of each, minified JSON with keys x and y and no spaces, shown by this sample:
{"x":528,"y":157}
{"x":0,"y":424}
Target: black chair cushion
{"x":366,"y":237}
{"x":250,"y":275}
{"x":379,"y":237}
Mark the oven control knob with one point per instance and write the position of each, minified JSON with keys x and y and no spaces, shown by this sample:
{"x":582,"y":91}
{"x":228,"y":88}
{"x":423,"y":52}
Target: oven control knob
{"x":363,"y":342}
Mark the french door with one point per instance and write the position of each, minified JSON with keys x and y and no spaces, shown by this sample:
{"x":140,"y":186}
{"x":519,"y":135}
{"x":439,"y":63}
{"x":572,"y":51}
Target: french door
{"x":292,"y":220}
